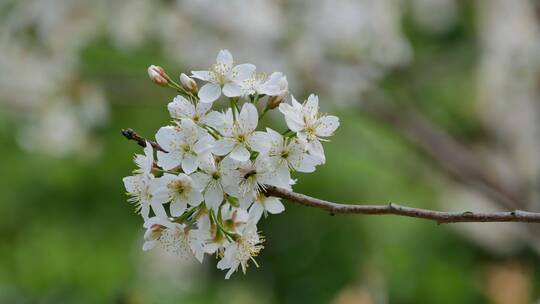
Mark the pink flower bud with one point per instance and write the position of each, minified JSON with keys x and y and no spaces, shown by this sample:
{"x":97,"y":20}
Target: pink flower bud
{"x":157,"y":75}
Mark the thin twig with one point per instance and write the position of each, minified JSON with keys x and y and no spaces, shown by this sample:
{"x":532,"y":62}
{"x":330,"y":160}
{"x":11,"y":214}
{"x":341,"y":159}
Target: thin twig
{"x":390,"y":209}
{"x":132,"y":135}
{"x":439,"y":216}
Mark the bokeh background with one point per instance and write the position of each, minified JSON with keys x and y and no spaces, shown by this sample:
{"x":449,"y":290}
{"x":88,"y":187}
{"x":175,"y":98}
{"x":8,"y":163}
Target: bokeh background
{"x":439,"y":108}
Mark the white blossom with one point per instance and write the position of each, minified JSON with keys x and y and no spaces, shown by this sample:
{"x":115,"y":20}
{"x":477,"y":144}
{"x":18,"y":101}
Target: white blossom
{"x":215,"y":179}
{"x":142,"y":186}
{"x":221,"y":77}
{"x":250,"y":177}
{"x":309,"y":124}
{"x":260,"y":83}
{"x":286,"y":154}
{"x":241,"y":251}
{"x":180,"y":190}
{"x":239,"y":134}
{"x":184,"y":144}
{"x":180,"y":108}
{"x":264,"y":204}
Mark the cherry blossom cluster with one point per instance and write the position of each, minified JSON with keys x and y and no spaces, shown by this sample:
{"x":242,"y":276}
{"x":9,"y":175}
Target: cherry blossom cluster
{"x":203,"y":192}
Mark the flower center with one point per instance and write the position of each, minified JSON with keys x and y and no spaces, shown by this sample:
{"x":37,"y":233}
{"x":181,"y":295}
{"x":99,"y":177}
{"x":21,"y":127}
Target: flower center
{"x":220,"y":71}
{"x":179,"y":186}
{"x":186,"y":148}
{"x":241,"y":138}
{"x":216,"y":175}
{"x":250,"y":174}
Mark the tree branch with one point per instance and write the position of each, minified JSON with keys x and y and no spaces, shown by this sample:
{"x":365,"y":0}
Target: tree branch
{"x":393,"y":209}
{"x":390,"y":209}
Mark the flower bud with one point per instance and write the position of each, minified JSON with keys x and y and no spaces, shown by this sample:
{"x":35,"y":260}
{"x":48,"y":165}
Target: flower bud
{"x":274,"y":101}
{"x":188,"y":83}
{"x":157,"y":75}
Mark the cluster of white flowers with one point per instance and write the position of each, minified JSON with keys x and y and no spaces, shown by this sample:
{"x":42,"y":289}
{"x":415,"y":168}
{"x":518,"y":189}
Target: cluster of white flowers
{"x":206,"y":191}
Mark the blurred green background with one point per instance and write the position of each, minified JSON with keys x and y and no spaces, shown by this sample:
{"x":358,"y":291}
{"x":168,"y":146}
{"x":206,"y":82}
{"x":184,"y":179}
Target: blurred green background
{"x":68,"y":235}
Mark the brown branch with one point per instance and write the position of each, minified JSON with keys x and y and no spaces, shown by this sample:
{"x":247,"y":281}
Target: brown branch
{"x":132,"y":135}
{"x":393,"y":209}
{"x":390,"y":209}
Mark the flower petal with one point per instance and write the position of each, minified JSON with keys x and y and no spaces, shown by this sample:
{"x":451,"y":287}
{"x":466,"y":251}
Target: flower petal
{"x":131,"y":183}
{"x":259,"y":141}
{"x":181,"y":108}
{"x":311,"y":107}
{"x":168,"y":161}
{"x":248,"y":118}
{"x":243,"y":71}
{"x":167,"y":137}
{"x":200,"y":180}
{"x":195,"y":198}
{"x":327,"y":126}
{"x":209,"y":92}
{"x":273,"y":205}
{"x":190,"y":163}
{"x":223,"y":146}
{"x":213,"y":195}
{"x":255,"y":212}
{"x":316,"y":150}
{"x":240,"y":153}
{"x":158,"y":209}
{"x":225,"y":57}
{"x":232,"y":90}
{"x":202,"y":75}
{"x":177,"y":207}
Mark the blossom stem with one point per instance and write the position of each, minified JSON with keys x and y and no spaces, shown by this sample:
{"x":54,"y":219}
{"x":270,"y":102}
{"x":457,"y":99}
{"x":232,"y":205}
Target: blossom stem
{"x":264,"y":113}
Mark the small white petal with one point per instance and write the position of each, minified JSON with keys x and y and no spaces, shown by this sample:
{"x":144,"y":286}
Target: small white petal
{"x":178,"y":207}
{"x":190,"y":163}
{"x":243,"y":71}
{"x":181,"y":108}
{"x":168,"y":161}
{"x":195,"y":198}
{"x":214,"y":119}
{"x":213,"y":195}
{"x":327,"y":126}
{"x":232,"y":90}
{"x":202,"y":75}
{"x":200,"y":180}
{"x":204,"y":144}
{"x":149,"y":245}
{"x":311,"y":108}
{"x":273,"y":205}
{"x":259,"y":141}
{"x":292,"y":117}
{"x":167,"y":137}
{"x":248,"y":118}
{"x":316,"y":150}
{"x":209,"y":92}
{"x":255,"y":212}
{"x":159,"y":210}
{"x":240,"y":153}
{"x":225,"y":57}
{"x":223,"y":146}
{"x":131,"y":183}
